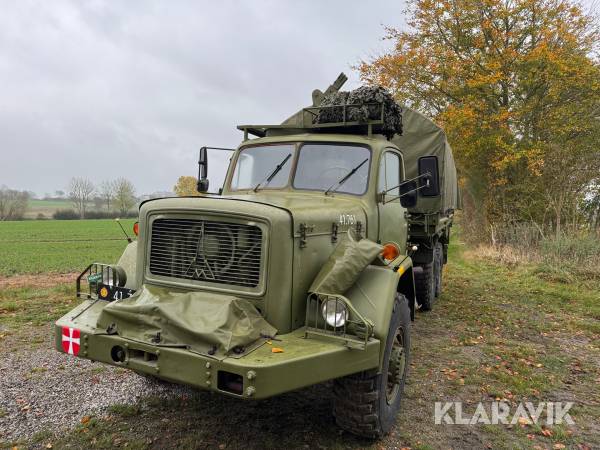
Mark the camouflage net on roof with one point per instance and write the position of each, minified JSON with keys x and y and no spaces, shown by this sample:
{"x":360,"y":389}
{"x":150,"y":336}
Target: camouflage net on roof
{"x":392,"y":118}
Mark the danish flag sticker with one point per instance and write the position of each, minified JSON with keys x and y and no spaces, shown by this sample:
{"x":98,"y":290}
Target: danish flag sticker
{"x":70,"y":340}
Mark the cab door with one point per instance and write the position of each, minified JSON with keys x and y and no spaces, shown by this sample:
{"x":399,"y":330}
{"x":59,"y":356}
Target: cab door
{"x":392,"y":226}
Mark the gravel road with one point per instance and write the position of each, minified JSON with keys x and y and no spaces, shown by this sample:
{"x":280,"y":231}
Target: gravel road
{"x":43,"y":389}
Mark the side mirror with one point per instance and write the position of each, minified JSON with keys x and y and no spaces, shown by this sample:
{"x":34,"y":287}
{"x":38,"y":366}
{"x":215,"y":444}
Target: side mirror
{"x":408,"y":194}
{"x":430,"y":184}
{"x":202,"y":170}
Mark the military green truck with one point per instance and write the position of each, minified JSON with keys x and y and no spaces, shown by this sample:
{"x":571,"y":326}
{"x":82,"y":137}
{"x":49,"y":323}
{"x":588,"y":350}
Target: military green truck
{"x":298,"y":272}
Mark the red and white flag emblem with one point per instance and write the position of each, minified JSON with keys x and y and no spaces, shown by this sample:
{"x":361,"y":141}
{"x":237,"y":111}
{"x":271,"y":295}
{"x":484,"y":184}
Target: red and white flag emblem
{"x":70,"y":340}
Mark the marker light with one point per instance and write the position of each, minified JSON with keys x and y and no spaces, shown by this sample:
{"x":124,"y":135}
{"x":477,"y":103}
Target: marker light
{"x":136,"y":228}
{"x":390,"y":252}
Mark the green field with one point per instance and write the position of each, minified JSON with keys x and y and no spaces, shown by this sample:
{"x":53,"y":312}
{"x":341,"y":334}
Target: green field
{"x":59,"y":245}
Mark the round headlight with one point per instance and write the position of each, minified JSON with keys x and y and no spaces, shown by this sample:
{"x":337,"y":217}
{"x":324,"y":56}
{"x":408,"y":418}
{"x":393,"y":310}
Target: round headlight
{"x":334,"y":312}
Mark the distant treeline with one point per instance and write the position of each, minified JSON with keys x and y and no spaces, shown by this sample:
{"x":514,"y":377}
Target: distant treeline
{"x":71,"y":214}
{"x":13,"y":204}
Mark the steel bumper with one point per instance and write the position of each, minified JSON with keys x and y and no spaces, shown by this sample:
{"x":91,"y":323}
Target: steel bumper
{"x":259,"y":374}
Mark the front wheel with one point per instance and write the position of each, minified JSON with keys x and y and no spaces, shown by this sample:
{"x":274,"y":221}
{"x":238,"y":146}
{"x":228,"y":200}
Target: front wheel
{"x":367,"y":404}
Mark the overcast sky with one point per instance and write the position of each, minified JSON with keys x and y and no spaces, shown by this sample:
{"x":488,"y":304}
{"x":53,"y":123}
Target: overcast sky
{"x":108,"y":89}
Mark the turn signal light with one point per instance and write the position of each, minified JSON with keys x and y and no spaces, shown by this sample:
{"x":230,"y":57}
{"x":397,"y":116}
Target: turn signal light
{"x":390,"y":252}
{"x":136,"y":228}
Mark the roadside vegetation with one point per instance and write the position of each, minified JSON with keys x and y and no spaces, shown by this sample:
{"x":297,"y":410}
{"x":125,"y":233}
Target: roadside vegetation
{"x":516,"y":87}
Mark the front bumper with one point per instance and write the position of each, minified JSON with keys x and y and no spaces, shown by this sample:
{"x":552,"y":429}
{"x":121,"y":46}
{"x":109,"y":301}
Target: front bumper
{"x":258,"y":374}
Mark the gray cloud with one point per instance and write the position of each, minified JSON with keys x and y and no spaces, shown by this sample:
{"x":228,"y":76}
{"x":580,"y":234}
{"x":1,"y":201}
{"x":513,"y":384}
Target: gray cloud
{"x":108,"y":89}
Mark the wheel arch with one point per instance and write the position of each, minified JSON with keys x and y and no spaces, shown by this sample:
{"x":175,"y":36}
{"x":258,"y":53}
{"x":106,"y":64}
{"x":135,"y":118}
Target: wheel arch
{"x":406,"y":287}
{"x":373,"y":295}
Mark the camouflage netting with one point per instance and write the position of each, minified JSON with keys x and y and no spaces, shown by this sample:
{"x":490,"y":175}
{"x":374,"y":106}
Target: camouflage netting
{"x":392,"y":119}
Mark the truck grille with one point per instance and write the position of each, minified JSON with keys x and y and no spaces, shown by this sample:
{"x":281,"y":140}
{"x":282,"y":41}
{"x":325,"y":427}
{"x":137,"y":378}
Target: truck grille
{"x":217,"y":252}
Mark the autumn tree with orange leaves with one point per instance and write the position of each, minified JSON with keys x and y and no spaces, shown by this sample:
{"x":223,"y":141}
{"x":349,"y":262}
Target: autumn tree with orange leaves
{"x":516,"y":86}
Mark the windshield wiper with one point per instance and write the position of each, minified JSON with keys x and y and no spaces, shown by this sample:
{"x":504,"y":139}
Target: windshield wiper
{"x":275,"y":171}
{"x":346,"y":177}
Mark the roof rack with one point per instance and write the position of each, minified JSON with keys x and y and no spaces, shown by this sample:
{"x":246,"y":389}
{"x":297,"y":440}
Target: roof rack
{"x":309,"y":115}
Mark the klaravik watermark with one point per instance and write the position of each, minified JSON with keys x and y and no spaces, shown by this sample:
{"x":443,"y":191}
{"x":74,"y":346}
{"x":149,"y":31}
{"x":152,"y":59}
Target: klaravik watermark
{"x":496,"y":413}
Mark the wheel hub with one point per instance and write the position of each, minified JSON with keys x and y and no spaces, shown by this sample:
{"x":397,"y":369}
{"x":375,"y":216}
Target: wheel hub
{"x":396,"y":368}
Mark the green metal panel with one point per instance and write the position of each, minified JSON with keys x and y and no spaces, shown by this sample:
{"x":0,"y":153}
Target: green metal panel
{"x":303,"y":362}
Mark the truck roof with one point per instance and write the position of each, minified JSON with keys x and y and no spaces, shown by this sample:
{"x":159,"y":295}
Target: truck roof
{"x":319,"y":137}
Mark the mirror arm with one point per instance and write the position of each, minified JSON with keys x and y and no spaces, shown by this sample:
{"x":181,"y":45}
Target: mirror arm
{"x":402,"y":195}
{"x":425,"y":175}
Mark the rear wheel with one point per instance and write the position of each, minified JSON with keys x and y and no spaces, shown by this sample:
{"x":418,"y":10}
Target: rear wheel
{"x":425,"y":286}
{"x":438,"y":262}
{"x":367,"y":404}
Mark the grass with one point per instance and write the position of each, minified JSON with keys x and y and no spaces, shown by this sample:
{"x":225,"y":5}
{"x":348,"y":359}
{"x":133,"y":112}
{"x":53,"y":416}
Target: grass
{"x":59,"y":245}
{"x":500,"y":332}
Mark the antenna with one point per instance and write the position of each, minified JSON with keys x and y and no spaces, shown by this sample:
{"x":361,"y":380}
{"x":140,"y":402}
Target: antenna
{"x":124,"y":232}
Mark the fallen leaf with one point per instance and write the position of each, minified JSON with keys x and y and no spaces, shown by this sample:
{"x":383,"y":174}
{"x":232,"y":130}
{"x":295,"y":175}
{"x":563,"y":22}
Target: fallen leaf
{"x":85,"y":419}
{"x":547,"y":432}
{"x":559,"y":446}
{"x":276,"y":350}
{"x":48,"y":445}
{"x":523,"y":421}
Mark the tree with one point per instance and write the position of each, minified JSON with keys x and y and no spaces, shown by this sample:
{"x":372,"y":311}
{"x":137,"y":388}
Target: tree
{"x":186,"y":186}
{"x":59,"y":193}
{"x":516,"y":86}
{"x":13,"y":204}
{"x":81,"y":191}
{"x":124,"y":195}
{"x":98,"y":201}
{"x":107,"y":192}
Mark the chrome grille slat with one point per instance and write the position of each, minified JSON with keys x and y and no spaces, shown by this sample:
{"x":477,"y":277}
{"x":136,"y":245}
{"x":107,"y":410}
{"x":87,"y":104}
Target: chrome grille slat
{"x":206,"y":250}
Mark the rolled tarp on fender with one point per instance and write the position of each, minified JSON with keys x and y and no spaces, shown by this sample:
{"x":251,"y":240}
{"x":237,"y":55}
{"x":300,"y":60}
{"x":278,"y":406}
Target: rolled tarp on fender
{"x":350,"y":257}
{"x":205,"y":322}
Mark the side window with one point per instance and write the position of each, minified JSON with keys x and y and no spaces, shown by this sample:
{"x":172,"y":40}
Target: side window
{"x":389,"y":174}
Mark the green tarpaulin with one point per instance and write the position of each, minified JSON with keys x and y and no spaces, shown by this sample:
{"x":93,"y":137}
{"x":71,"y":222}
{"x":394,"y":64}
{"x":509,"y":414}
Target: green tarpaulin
{"x":345,"y":265}
{"x":421,"y":137}
{"x":204,"y":322}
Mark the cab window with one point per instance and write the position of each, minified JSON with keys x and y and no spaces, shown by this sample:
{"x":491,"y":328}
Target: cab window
{"x":326,"y":166}
{"x":256,"y":164}
{"x":389,"y":174}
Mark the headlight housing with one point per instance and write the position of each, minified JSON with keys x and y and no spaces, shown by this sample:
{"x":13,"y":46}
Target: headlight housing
{"x":334,"y":312}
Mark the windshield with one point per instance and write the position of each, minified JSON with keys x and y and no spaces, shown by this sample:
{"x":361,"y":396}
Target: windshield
{"x":324,"y":166}
{"x":256,"y":164}
{"x":319,"y":167}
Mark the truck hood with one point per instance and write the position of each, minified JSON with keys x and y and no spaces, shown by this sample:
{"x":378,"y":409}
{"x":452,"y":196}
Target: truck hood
{"x":318,"y":212}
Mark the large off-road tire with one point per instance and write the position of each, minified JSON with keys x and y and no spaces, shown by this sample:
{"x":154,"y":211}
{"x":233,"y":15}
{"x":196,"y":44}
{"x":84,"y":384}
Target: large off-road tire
{"x":367,"y":403}
{"x":438,"y":267}
{"x":425,"y":286}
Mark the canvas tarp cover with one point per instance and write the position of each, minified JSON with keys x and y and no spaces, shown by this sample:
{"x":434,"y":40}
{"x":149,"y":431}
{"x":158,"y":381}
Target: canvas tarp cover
{"x":200,"y":321}
{"x":345,"y":265}
{"x":421,"y":137}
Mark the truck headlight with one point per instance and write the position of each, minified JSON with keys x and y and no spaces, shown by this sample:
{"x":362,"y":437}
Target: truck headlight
{"x":334,"y":312}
